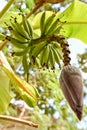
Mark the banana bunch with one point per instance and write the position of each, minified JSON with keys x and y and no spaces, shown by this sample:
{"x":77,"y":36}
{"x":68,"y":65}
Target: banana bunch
{"x":50,"y":26}
{"x":33,"y":51}
{"x":21,"y":35}
{"x":48,"y":54}
{"x":48,"y":51}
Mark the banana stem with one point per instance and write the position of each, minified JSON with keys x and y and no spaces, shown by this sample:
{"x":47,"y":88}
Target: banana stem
{"x":34,"y":9}
{"x":18,"y":120}
{"x":6,"y":8}
{"x":41,"y":39}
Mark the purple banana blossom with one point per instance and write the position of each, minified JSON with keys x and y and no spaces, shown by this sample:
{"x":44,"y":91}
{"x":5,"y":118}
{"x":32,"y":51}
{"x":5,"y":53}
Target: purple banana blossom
{"x":71,"y":84}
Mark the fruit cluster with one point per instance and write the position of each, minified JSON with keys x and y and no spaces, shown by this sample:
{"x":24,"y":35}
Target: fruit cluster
{"x":45,"y":51}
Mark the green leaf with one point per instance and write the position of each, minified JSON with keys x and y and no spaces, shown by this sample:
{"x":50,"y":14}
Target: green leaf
{"x":76,"y":21}
{"x":4,"y":92}
{"x":26,"y":91}
{"x":25,"y":63}
{"x":30,"y":4}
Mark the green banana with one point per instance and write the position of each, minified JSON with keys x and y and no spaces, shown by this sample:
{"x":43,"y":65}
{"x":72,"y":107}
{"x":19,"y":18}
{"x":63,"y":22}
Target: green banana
{"x":58,"y":49}
{"x":56,"y":45}
{"x":51,"y":58}
{"x":45,"y":56}
{"x":52,"y":28}
{"x":18,"y":36}
{"x":57,"y":30}
{"x":56,"y":56}
{"x":16,"y":42}
{"x":37,"y":49}
{"x":21,"y":31}
{"x":49,"y":22}
{"x":59,"y":27}
{"x":37,"y":62}
{"x":16,"y":32}
{"x":42,"y":23}
{"x":30,"y":28}
{"x":23,"y":52}
{"x":41,"y":57}
{"x":25,"y":63}
{"x":46,"y":53}
{"x":60,"y":54}
{"x":27,"y":26}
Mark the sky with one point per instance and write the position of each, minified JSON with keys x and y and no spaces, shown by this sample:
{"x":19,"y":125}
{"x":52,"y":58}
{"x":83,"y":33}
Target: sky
{"x":2,"y":4}
{"x":76,"y":47}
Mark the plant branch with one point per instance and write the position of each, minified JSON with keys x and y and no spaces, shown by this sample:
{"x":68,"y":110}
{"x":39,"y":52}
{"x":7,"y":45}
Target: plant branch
{"x":41,"y":39}
{"x":18,"y":120}
{"x":49,"y":38}
{"x":6,"y":8}
{"x":35,"y":9}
